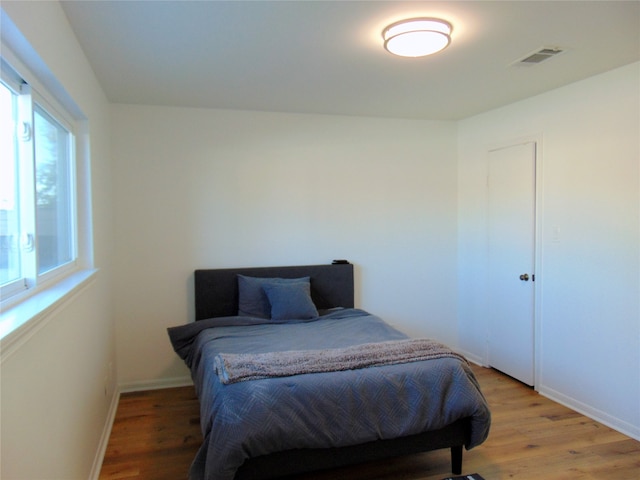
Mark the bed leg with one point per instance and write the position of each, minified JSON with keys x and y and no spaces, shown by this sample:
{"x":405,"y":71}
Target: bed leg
{"x":456,"y":460}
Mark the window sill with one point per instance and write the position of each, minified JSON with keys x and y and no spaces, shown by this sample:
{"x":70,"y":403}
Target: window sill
{"x":23,"y":320}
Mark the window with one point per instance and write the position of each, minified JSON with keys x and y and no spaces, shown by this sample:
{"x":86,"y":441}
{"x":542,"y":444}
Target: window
{"x":54,"y":192}
{"x":38,"y":228}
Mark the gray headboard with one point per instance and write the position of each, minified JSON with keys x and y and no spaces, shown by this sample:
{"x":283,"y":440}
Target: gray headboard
{"x":216,"y":290}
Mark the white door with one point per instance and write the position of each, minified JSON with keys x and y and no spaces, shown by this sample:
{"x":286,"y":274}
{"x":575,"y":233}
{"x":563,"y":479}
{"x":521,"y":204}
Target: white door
{"x":512,"y":175}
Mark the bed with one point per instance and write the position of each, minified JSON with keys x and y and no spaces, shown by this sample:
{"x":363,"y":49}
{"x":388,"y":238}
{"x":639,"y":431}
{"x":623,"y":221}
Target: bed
{"x":268,"y":425}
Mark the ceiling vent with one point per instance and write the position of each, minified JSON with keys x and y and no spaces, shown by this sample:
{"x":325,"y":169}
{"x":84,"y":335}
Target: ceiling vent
{"x":538,"y":56}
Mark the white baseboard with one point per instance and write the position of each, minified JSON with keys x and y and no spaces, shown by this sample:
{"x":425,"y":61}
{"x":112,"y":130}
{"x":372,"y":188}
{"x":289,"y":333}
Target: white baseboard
{"x":113,"y":408}
{"x":471,"y":357}
{"x":104,"y":439}
{"x":156,"y":384}
{"x":621,"y":426}
{"x":617,"y":424}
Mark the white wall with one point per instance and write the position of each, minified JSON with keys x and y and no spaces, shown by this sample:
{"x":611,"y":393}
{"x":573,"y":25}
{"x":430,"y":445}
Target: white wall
{"x":588,"y":284}
{"x":53,"y":405}
{"x":214,"y":188}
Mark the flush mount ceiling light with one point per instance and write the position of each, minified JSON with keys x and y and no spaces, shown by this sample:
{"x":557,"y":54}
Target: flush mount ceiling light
{"x":417,"y":37}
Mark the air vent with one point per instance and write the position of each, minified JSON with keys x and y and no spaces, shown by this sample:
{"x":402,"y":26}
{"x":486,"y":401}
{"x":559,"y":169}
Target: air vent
{"x":538,"y":56}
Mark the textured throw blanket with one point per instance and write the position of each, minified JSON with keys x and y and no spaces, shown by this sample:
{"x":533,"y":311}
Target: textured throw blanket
{"x":238,"y":367}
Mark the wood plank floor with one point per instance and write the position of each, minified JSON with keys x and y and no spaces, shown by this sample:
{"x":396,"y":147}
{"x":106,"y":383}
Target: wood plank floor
{"x":156,"y":435}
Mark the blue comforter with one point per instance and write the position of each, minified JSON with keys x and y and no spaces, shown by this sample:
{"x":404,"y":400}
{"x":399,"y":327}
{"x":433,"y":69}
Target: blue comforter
{"x":318,"y":410}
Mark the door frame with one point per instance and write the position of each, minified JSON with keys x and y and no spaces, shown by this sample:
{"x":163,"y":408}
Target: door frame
{"x":538,"y":227}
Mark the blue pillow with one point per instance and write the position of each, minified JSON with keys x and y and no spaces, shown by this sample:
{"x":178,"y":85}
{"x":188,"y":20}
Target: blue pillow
{"x":290,"y":301}
{"x":252,"y":300}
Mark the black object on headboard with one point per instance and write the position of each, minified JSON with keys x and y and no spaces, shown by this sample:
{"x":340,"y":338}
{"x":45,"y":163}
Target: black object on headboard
{"x":216,"y":290}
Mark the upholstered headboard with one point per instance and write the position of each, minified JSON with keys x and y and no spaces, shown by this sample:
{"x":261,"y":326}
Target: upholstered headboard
{"x":216,"y":290}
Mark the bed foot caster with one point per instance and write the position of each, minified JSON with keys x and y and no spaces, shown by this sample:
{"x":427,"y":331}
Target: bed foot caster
{"x":456,"y":460}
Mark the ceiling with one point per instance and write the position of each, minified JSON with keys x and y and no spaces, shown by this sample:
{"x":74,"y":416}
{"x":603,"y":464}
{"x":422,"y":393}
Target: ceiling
{"x":326,"y":57}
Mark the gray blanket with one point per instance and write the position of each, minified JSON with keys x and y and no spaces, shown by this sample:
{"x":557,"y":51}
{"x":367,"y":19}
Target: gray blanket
{"x":239,"y":367}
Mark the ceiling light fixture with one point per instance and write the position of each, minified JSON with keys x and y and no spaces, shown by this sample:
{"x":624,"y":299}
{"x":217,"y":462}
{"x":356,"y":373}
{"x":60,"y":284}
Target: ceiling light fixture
{"x":417,"y":37}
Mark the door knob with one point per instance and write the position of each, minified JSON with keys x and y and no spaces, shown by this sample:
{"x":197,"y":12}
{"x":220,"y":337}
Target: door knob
{"x":524,"y":277}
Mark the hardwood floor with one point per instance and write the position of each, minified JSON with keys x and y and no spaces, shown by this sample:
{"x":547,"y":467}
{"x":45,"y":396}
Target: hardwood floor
{"x":156,"y":435}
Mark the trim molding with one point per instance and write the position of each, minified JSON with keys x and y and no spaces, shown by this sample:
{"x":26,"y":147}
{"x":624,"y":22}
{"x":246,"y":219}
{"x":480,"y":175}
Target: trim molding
{"x":21,"y":322}
{"x":610,"y":421}
{"x":104,"y":438}
{"x":473,"y":358}
{"x":113,"y":409}
{"x":143,"y":385}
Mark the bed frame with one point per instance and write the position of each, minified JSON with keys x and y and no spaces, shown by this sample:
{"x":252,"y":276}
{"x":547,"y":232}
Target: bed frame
{"x":216,"y":295}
